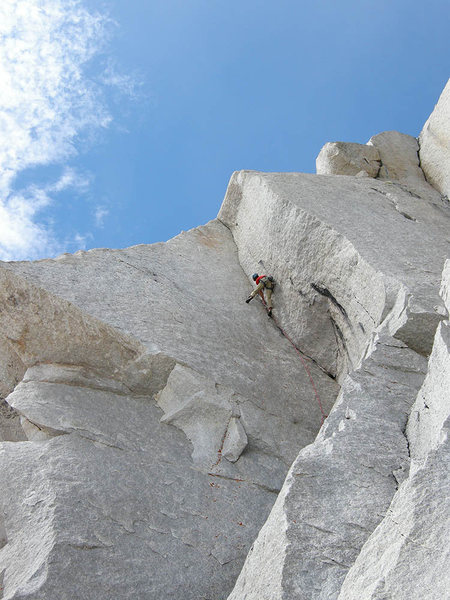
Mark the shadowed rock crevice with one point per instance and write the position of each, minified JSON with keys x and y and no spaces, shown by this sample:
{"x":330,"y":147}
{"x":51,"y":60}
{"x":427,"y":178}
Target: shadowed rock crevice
{"x":324,"y":292}
{"x":12,"y":368}
{"x":3,"y":535}
{"x":11,"y":429}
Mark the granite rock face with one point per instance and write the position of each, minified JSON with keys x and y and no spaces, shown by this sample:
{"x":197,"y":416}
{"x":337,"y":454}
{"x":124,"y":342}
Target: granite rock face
{"x":364,"y":509}
{"x":156,"y":430}
{"x":435,"y":146}
{"x":346,"y":250}
{"x":408,"y":554}
{"x":347,"y":158}
{"x":399,"y":157}
{"x":151,"y":419}
{"x":341,"y":486}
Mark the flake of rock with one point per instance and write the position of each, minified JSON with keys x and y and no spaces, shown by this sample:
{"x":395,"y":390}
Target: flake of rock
{"x":42,"y":328}
{"x":435,"y":144}
{"x":445,"y":287}
{"x":347,"y":158}
{"x":200,"y":408}
{"x":235,"y":440}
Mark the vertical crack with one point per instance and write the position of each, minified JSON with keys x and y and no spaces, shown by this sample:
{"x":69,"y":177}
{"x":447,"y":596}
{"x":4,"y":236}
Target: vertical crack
{"x":420,"y":160}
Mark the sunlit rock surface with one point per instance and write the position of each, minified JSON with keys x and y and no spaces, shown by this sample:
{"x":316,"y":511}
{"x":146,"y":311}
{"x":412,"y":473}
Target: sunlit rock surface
{"x":407,"y":556}
{"x":364,"y":511}
{"x":161,"y":412}
{"x":348,"y":158}
{"x":162,"y":439}
{"x":340,"y":487}
{"x":435,"y":145}
{"x":345,"y":249}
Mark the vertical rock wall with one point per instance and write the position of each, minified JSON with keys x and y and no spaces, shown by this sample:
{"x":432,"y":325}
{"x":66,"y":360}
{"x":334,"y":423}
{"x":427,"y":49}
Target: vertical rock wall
{"x":363,"y":513}
{"x":435,"y":146}
{"x":340,"y":487}
{"x":408,"y":555}
{"x":344,"y":249}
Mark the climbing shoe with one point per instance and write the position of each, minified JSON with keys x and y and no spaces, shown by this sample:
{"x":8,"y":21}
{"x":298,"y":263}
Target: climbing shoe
{"x":269,"y":312}
{"x":248,"y":299}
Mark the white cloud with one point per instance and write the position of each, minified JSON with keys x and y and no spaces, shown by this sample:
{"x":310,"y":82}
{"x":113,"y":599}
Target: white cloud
{"x":46,"y":102}
{"x":80,"y":241}
{"x":70,"y":179}
{"x":127,"y":84}
{"x":17,"y":227}
{"x":20,"y":235}
{"x":100,"y":213}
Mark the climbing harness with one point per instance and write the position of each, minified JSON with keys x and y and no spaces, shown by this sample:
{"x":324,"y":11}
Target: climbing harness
{"x":305,"y":365}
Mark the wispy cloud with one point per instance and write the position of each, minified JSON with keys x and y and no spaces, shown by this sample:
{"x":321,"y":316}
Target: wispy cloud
{"x":125,"y":83}
{"x":46,"y":103}
{"x":21,"y":236}
{"x":70,"y":178}
{"x":100,"y":213}
{"x":80,"y":241}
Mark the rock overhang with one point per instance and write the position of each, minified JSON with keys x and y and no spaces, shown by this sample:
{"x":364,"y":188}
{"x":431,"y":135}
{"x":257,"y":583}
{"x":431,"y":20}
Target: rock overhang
{"x":358,"y":243}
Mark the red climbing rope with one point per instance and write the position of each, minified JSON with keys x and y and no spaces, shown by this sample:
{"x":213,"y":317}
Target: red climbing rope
{"x":304,"y":363}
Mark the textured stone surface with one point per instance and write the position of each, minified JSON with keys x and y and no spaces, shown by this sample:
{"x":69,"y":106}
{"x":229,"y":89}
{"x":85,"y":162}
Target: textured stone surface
{"x":344,"y":249}
{"x":115,"y":509}
{"x":149,"y":416}
{"x":11,"y":429}
{"x":434,"y":142}
{"x":407,"y":556}
{"x":122,"y":489}
{"x":339,"y":487}
{"x":347,"y":158}
{"x":235,"y":440}
{"x":399,"y":156}
{"x":11,"y":368}
{"x":106,"y":488}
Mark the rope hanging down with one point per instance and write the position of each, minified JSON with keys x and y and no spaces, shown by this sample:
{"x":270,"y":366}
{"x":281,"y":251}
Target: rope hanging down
{"x":305,"y":365}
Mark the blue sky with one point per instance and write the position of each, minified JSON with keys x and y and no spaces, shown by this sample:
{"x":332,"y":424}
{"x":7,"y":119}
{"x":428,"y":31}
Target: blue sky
{"x":121,"y":122}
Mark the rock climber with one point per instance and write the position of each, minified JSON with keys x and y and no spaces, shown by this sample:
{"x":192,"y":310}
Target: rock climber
{"x":266,"y":283}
